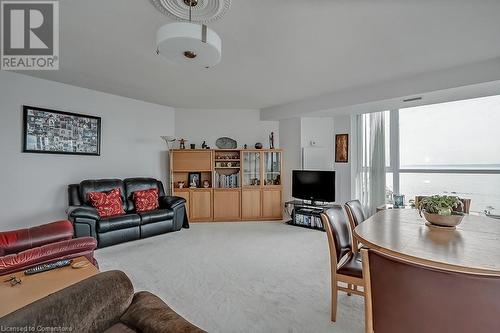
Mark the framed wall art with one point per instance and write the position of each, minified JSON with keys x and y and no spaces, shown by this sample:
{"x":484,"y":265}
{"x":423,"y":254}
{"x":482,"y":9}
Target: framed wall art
{"x":341,"y":148}
{"x":58,"y":132}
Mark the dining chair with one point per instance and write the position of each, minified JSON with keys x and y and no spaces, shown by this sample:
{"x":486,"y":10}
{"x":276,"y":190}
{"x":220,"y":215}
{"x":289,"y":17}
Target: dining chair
{"x":404,"y":296}
{"x":345,"y":265}
{"x":356,"y":215}
{"x":465,"y":202}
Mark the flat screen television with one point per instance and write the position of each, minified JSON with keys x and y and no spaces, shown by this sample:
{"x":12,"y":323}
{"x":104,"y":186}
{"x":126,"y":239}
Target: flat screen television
{"x":313,"y":185}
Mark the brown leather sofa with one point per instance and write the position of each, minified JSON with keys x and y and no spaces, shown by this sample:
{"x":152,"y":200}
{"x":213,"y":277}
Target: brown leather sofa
{"x":103,"y":303}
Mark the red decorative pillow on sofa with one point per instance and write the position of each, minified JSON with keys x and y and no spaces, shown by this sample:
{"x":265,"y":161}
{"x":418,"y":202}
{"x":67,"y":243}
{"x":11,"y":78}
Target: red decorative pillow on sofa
{"x":146,"y":200}
{"x":107,"y":204}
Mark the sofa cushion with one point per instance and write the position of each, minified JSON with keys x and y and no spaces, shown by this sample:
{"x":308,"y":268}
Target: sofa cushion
{"x":139,"y":184}
{"x":101,"y":185}
{"x":107,"y":203}
{"x":148,"y":313}
{"x":156,"y":215}
{"x":146,"y":200}
{"x":118,"y":222}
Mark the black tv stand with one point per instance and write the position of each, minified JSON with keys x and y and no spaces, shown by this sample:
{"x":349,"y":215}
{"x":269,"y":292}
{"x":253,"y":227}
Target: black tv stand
{"x":307,"y":214}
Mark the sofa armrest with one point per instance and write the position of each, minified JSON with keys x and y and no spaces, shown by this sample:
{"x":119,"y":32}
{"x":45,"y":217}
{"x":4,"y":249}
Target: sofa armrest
{"x":67,"y":249}
{"x":83,"y":211}
{"x":178,"y":205}
{"x":148,"y":313}
{"x":19,"y":240}
{"x":91,"y":305}
{"x":170,"y":202}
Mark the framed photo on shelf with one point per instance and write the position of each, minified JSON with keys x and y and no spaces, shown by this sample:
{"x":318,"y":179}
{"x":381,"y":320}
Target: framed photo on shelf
{"x":342,"y":148}
{"x":58,"y":132}
{"x":194,"y":179}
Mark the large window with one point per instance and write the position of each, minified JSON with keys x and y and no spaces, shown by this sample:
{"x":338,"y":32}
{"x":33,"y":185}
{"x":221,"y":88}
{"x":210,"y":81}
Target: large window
{"x":449,"y":148}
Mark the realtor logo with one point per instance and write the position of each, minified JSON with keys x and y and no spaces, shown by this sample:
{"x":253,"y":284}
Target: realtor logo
{"x":30,"y":35}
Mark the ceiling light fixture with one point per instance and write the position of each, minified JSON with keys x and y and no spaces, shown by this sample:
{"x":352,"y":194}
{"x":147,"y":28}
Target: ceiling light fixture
{"x":189,"y":43}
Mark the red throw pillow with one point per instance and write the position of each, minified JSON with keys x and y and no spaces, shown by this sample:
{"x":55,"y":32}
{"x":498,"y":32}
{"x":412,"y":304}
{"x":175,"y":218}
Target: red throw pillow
{"x":107,"y":204}
{"x":146,"y":200}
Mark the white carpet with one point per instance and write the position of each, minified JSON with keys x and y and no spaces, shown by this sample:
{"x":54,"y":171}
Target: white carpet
{"x":240,"y":277}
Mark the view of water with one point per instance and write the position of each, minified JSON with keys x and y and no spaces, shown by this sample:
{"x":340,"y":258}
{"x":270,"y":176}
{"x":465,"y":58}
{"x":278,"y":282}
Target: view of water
{"x":482,"y":189}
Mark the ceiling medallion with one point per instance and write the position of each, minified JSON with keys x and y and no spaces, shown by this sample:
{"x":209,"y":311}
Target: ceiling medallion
{"x":203,"y":11}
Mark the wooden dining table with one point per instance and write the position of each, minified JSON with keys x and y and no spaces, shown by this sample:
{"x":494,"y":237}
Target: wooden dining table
{"x":473,"y":247}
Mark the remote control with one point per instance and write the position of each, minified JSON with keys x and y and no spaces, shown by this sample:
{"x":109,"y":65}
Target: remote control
{"x":47,"y":267}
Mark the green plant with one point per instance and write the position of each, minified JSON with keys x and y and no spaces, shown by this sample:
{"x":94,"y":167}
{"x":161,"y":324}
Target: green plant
{"x":441,"y":204}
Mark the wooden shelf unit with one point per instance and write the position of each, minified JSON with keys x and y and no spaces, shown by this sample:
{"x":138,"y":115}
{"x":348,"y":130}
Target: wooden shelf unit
{"x":256,"y":192}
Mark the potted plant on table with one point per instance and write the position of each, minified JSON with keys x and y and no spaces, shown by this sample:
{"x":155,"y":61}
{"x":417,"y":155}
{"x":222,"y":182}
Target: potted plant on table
{"x":442,"y":210}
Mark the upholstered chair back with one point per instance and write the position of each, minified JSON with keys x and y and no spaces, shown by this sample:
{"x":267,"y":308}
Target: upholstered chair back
{"x":335,"y":223}
{"x":411,"y":297}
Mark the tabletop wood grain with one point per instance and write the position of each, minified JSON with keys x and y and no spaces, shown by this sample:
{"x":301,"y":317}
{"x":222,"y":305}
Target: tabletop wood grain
{"x":36,"y":286}
{"x":474,"y":246}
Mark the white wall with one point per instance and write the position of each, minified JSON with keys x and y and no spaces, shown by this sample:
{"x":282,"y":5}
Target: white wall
{"x":317,"y":137}
{"x":342,"y":125}
{"x":33,"y":186}
{"x":290,"y":142}
{"x":244,"y":126}
{"x":297,"y":133}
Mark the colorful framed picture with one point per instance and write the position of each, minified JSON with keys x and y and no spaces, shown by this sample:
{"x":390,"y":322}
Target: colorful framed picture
{"x":194,"y":179}
{"x":58,"y":132}
{"x":342,"y":148}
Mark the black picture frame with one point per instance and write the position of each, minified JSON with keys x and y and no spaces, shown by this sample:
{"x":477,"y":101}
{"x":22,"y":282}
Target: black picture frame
{"x":342,"y":148}
{"x":28,"y":147}
{"x":192,"y":175}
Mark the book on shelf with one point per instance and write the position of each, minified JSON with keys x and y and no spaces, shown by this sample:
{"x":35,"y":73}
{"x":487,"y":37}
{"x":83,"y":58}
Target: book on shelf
{"x":227,"y":181}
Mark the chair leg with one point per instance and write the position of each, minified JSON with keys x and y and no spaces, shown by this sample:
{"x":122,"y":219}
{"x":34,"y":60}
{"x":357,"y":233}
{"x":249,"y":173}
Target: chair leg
{"x":334,"y":299}
{"x":349,"y":286}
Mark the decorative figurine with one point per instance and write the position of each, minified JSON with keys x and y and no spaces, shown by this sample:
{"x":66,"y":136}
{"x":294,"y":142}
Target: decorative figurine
{"x":204,"y":145}
{"x":182,"y":143}
{"x":245,"y":146}
{"x":206,"y":184}
{"x":180,"y":184}
{"x":258,"y":145}
{"x":271,"y":140}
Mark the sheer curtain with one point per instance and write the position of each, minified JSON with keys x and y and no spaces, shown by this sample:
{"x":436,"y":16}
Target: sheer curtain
{"x":370,"y":161}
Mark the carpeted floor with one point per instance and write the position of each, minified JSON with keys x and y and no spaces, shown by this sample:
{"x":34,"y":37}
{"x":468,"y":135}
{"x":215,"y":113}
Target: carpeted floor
{"x":240,"y":277}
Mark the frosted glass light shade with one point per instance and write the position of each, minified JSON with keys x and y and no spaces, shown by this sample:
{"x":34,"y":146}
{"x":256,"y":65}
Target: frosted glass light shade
{"x":183,"y":43}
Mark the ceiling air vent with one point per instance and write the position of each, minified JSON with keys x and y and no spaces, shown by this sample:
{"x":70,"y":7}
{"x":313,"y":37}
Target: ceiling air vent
{"x":413,"y":99}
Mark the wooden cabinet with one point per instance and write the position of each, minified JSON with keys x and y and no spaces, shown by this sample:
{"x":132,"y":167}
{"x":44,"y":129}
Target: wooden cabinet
{"x":200,"y":202}
{"x":227,"y":204}
{"x":244,"y":184}
{"x":191,"y":160}
{"x":271,"y":204}
{"x":183,"y":193}
{"x":251,"y":201}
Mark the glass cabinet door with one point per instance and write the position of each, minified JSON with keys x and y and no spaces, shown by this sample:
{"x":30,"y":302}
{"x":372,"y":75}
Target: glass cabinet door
{"x":272,"y":168}
{"x":251,"y":169}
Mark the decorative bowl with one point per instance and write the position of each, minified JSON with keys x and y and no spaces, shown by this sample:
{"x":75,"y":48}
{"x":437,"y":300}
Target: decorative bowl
{"x":226,"y":143}
{"x":450,"y":221}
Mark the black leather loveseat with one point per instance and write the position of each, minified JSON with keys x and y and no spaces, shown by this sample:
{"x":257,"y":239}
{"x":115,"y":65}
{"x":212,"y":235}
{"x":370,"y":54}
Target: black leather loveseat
{"x":170,"y":216}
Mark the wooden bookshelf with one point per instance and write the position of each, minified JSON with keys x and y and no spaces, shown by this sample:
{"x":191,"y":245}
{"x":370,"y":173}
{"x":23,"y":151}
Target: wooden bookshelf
{"x":245,"y":184}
